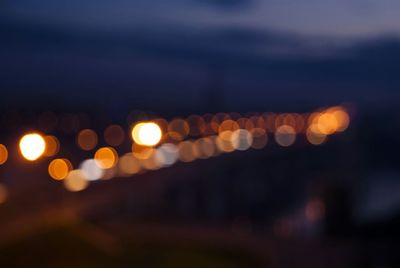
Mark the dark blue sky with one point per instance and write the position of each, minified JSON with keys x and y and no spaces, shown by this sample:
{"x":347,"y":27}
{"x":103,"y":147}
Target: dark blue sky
{"x":248,"y":55}
{"x":341,"y":18}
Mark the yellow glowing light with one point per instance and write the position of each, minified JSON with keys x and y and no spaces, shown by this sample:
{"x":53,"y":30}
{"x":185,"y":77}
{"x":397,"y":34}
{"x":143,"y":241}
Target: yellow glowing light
{"x":32,"y":146}
{"x":147,"y":134}
{"x":3,"y":154}
{"x":342,"y":118}
{"x":106,"y":157}
{"x":59,"y":168}
{"x":327,"y":123}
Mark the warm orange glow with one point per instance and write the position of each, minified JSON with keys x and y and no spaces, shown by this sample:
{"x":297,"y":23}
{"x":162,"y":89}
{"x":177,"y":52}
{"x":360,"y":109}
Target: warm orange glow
{"x":3,"y":154}
{"x":224,"y":142}
{"x":186,"y":151}
{"x":197,"y":125}
{"x":32,"y":146}
{"x":129,"y":165}
{"x":146,"y":133}
{"x":241,"y":139}
{"x":299,"y":123}
{"x":342,"y":118}
{"x":228,"y":125}
{"x":142,"y":152}
{"x":258,"y":122}
{"x":76,"y":181}
{"x":314,"y":137}
{"x":289,"y":120}
{"x":114,"y":135}
{"x":59,"y":168}
{"x":106,"y":157}
{"x":279,"y":120}
{"x":260,"y":138}
{"x":178,"y":129}
{"x":217,"y":119}
{"x":313,"y":118}
{"x":208,"y":130}
{"x":110,"y":173}
{"x":152,"y":162}
{"x":204,"y":148}
{"x":167,"y":154}
{"x":52,"y":146}
{"x":285,"y":135}
{"x":87,"y":139}
{"x":334,"y":119}
{"x":162,"y":123}
{"x":269,"y":119}
{"x":327,"y":123}
{"x":3,"y":193}
{"x":245,"y":123}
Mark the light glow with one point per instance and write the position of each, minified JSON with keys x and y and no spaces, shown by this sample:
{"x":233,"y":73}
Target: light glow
{"x":32,"y":146}
{"x":59,"y":169}
{"x":147,"y":134}
{"x":3,"y":154}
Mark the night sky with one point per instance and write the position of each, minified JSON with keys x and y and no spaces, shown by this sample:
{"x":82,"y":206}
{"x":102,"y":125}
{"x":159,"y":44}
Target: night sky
{"x":251,"y":55}
{"x":341,"y":18}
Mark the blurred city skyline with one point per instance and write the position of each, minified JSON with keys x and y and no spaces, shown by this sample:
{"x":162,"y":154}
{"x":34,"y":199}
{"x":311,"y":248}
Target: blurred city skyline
{"x":227,"y":133}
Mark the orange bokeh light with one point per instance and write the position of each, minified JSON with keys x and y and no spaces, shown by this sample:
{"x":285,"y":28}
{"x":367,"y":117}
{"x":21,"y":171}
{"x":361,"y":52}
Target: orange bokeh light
{"x":106,"y":157}
{"x":3,"y":154}
{"x":52,"y":146}
{"x":59,"y":168}
{"x":87,"y":139}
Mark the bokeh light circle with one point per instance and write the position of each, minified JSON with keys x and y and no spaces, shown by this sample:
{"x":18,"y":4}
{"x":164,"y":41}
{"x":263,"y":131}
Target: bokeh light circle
{"x":3,"y":154}
{"x":91,"y":169}
{"x":32,"y":146}
{"x":285,"y":135}
{"x":146,"y":133}
{"x":76,"y":181}
{"x":106,"y":157}
{"x":59,"y":168}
